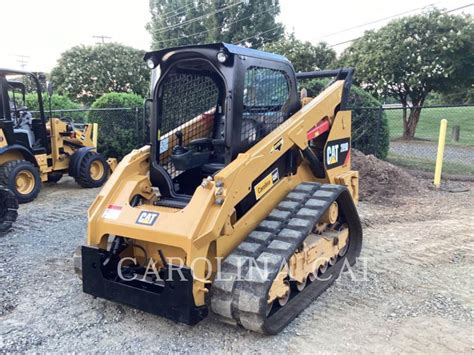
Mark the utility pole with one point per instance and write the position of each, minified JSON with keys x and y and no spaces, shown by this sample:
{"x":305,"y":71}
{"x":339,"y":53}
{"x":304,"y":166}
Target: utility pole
{"x":102,"y":38}
{"x":22,"y":60}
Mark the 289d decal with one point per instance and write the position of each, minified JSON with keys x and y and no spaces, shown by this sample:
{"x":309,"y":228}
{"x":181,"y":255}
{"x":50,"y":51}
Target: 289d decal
{"x":337,"y":153}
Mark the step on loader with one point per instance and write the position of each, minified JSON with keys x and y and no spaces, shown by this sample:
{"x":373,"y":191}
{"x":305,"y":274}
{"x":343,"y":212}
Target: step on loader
{"x":36,"y":149}
{"x":244,"y":203}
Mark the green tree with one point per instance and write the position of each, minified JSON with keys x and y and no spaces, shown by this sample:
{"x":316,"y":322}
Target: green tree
{"x":181,"y":22}
{"x":458,"y":96}
{"x":85,"y":73}
{"x":303,"y":55}
{"x":370,"y":133}
{"x":413,"y":56}
{"x":118,"y":134}
{"x":58,"y":102}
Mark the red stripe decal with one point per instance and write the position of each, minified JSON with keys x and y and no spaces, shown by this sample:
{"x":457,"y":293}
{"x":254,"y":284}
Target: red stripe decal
{"x":348,"y":156}
{"x":114,"y":207}
{"x":318,"y":130}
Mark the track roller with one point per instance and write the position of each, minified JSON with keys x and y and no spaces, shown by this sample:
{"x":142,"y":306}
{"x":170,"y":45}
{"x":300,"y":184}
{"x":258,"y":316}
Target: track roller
{"x":306,"y":233}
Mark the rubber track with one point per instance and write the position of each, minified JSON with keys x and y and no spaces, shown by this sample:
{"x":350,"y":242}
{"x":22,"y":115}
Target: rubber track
{"x":244,"y":302}
{"x":9,"y":206}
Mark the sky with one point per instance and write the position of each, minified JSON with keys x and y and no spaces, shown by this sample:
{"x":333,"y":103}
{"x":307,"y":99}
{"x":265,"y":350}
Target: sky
{"x":37,"y":32}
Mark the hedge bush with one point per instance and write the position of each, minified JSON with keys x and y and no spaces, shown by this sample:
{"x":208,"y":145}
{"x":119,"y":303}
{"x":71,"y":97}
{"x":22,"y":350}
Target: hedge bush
{"x":58,"y":102}
{"x":368,"y":135}
{"x":117,"y":129}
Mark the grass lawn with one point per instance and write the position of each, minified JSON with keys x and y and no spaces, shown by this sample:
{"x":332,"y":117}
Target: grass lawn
{"x":428,"y":126}
{"x":429,"y":165}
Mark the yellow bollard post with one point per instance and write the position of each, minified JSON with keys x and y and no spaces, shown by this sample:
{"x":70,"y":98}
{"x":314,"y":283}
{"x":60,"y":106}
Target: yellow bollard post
{"x":439,"y":157}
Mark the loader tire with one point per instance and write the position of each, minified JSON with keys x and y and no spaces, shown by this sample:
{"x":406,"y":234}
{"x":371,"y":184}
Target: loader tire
{"x":240,"y":295}
{"x":22,"y":178}
{"x":93,"y":171}
{"x":8,"y":209}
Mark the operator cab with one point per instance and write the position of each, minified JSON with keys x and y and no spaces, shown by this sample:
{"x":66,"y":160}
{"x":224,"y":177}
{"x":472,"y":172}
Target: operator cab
{"x":210,"y":103}
{"x":23,"y":119}
{"x":19,"y":124}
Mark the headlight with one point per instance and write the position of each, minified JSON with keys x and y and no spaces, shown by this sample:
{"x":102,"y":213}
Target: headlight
{"x":150,"y":63}
{"x":221,"y":57}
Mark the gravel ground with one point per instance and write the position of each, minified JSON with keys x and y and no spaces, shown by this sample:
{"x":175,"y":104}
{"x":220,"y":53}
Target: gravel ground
{"x":411,"y":291}
{"x":428,"y":150}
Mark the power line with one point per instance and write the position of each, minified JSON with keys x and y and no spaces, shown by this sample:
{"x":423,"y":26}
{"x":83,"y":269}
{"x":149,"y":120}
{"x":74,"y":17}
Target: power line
{"x":178,"y":10}
{"x":165,"y":17}
{"x":459,"y":8}
{"x":444,"y":12}
{"x":257,"y":34}
{"x":337,"y":44}
{"x":376,"y":21}
{"x":164,"y":29}
{"x":214,"y":28}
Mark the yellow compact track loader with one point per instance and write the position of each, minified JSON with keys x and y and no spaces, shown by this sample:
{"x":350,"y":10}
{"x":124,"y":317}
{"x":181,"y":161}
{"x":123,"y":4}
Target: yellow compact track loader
{"x":8,"y":209}
{"x":36,"y":149}
{"x":245,"y":201}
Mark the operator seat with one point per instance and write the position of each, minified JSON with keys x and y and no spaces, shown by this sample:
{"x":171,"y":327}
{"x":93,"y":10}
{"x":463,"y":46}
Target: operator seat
{"x":23,"y":126}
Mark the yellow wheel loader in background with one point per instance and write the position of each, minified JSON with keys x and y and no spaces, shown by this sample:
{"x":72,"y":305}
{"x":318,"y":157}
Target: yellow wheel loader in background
{"x":35,"y":149}
{"x":8,"y":209}
{"x":245,"y":201}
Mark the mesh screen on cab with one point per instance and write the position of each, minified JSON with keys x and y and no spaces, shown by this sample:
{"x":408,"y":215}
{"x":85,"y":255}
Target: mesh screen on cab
{"x":188,"y":102}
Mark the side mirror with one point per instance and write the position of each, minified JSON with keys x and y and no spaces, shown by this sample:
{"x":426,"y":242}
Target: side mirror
{"x":50,"y":88}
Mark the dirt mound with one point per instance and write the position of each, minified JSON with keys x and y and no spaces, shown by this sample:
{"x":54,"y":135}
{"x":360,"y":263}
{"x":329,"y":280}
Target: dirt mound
{"x":380,"y":181}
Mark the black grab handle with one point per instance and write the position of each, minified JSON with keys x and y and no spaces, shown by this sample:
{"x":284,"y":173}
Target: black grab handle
{"x":341,"y":74}
{"x":345,"y":74}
